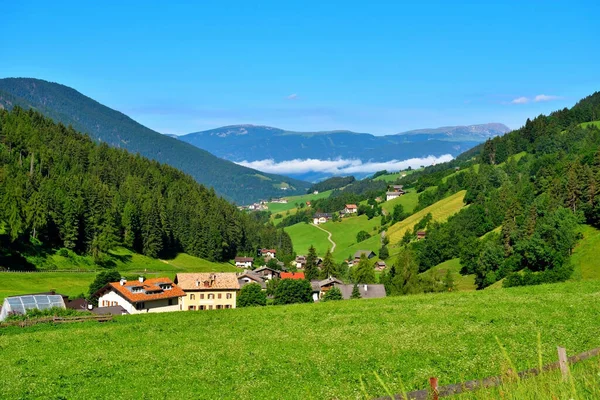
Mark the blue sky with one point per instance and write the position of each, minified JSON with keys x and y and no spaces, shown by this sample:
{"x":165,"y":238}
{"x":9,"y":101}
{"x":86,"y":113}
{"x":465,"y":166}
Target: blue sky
{"x":381,"y":67}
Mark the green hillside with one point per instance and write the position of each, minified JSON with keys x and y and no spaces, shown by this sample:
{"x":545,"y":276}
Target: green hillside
{"x":306,"y":235}
{"x":64,"y":104}
{"x":408,"y":201}
{"x":293,"y":200}
{"x":403,"y":339}
{"x":462,"y":282}
{"x":440,"y":212}
{"x":586,"y":253}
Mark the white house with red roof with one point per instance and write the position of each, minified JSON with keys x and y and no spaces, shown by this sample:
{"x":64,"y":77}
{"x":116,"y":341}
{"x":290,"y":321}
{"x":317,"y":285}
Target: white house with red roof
{"x":142,"y":295}
{"x":268,"y":253}
{"x":350,"y":209}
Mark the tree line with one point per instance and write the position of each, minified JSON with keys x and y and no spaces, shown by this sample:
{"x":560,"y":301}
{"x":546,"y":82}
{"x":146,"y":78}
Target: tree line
{"x":59,"y":189}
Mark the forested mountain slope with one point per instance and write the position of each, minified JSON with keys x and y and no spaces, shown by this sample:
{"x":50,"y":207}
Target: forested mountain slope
{"x":60,"y":189}
{"x":537,"y":183}
{"x":66,"y":105}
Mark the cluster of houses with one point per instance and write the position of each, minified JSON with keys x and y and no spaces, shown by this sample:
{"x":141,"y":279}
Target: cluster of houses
{"x":188,"y":292}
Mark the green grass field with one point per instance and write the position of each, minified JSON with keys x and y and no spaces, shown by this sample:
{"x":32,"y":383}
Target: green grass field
{"x":593,"y":123}
{"x":276,"y":208}
{"x":440,"y":212}
{"x":409,"y":201}
{"x":474,"y":168}
{"x":311,"y":351}
{"x":585,"y":255}
{"x":466,"y":282}
{"x":343,"y":233}
{"x":304,"y":235}
{"x":69,"y":283}
{"x":394,"y":176}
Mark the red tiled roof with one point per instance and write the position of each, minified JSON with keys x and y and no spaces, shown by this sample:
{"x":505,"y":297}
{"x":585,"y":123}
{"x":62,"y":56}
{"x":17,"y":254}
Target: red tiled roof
{"x":147,"y":285}
{"x":350,"y":206}
{"x":292,"y":275}
{"x":244,"y":259}
{"x":267,"y":251}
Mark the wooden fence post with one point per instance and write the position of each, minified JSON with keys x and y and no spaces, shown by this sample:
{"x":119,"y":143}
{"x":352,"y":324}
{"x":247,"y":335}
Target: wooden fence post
{"x":433,"y":383}
{"x":562,"y":362}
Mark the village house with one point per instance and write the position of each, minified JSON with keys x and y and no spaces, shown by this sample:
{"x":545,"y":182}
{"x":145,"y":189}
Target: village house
{"x":208,"y":290}
{"x":267,"y":254}
{"x":251,"y":277}
{"x":308,"y":203}
{"x":368,"y":253}
{"x":141,"y":295}
{"x":394,"y":191}
{"x":350,"y":209}
{"x":267,"y":273}
{"x":300,"y":262}
{"x":421,"y":235}
{"x":380,"y":265}
{"x":244,"y":262}
{"x":280,"y":201}
{"x":321,"y":218}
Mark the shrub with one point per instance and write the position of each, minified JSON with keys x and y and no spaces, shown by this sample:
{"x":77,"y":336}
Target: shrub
{"x":252,"y":295}
{"x":362,"y":235}
{"x":291,"y":291}
{"x":333,"y":294}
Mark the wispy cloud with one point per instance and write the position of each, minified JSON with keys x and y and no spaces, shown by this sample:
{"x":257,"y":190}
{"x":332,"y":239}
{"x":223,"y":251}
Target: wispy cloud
{"x":520,"y":100}
{"x":292,"y":96}
{"x":537,"y":99}
{"x":340,"y":166}
{"x":545,"y":97}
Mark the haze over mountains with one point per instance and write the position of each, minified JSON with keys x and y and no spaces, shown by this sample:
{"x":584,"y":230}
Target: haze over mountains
{"x":271,"y":149}
{"x":103,"y":124}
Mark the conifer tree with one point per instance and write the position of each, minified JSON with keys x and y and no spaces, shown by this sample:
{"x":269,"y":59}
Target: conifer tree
{"x":311,"y":270}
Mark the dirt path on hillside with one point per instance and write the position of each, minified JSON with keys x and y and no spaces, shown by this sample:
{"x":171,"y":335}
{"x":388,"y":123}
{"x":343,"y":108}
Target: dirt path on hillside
{"x":328,"y":237}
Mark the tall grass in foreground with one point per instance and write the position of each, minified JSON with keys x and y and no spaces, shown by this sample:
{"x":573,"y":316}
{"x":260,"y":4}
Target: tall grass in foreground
{"x":582,"y":382}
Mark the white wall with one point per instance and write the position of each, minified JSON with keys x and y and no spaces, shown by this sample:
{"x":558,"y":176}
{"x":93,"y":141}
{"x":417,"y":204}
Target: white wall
{"x":161,"y":305}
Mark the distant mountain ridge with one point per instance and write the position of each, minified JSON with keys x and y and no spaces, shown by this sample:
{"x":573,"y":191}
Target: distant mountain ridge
{"x":255,"y":143}
{"x":68,"y":106}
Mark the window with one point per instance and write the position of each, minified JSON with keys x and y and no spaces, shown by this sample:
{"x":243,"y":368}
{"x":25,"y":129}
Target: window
{"x":192,"y":297}
{"x":202,"y":308}
{"x":210,"y":307}
{"x":192,"y":308}
{"x":139,"y":306}
{"x":201,"y":296}
{"x":170,"y":302}
{"x":219,"y":307}
{"x":211,"y":296}
{"x":228,"y":306}
{"x":114,"y":303}
{"x":229,"y":295}
{"x":219,"y":295}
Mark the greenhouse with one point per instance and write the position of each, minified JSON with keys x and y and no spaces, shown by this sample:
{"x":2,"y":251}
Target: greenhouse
{"x":20,"y":304}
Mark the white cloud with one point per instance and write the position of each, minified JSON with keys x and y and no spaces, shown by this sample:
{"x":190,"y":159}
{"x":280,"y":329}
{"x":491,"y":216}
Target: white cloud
{"x":340,"y":166}
{"x":292,"y":96}
{"x":544,"y":97}
{"x":520,"y":100}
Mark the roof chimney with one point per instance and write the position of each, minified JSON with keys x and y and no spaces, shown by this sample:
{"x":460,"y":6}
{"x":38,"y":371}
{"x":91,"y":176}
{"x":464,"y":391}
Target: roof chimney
{"x":123,"y":281}
{"x":141,"y":279}
{"x":197,"y":283}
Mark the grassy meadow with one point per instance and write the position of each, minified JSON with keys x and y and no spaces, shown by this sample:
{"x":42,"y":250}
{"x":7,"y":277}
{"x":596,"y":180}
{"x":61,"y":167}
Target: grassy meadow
{"x":466,"y":282}
{"x":69,"y":283}
{"x":292,"y":200}
{"x":585,"y":254}
{"x":440,"y":212}
{"x":304,"y":235}
{"x":309,"y":351}
{"x":409,"y":201}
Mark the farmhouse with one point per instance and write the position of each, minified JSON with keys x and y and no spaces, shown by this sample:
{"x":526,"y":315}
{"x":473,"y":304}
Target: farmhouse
{"x":421,"y":235}
{"x":300,"y":262}
{"x":244,"y":262}
{"x":268,"y":253}
{"x":251,"y":277}
{"x":350,"y":209}
{"x":280,"y":201}
{"x":368,"y":253}
{"x":321,"y":218}
{"x":380,"y":265}
{"x":142,"y":295}
{"x":267,"y":273}
{"x":208,"y":291}
{"x":394,"y":191}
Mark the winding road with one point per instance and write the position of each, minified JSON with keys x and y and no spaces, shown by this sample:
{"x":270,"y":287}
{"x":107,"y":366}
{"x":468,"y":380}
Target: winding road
{"x":328,"y":237}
